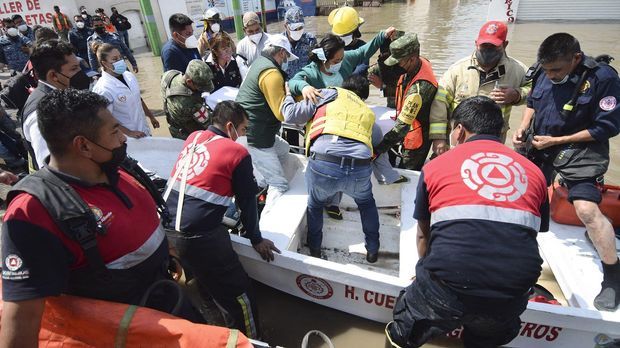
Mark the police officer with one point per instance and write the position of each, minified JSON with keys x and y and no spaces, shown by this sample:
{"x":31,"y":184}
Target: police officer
{"x":490,"y":72}
{"x":14,"y":48}
{"x":482,"y":259}
{"x":185,"y":108}
{"x":573,"y":81}
{"x":414,"y":95}
{"x":100,"y":34}
{"x":203,"y":243}
{"x":42,"y":259}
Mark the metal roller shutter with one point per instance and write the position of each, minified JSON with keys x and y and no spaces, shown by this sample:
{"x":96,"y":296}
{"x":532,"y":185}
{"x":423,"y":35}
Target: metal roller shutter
{"x":533,"y":10}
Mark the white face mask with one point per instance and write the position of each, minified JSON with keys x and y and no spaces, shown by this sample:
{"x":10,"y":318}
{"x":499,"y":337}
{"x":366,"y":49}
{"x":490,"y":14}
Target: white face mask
{"x":84,"y":15}
{"x":23,"y":28}
{"x":452,"y":144}
{"x":256,"y":37}
{"x":562,"y":81}
{"x":347,"y":39}
{"x":12,"y":32}
{"x":296,"y":35}
{"x":236,"y":134}
{"x":191,"y":42}
{"x":215,"y":27}
{"x":80,"y":25}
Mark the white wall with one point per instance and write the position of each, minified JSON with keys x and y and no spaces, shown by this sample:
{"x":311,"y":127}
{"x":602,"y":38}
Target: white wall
{"x":137,"y":34}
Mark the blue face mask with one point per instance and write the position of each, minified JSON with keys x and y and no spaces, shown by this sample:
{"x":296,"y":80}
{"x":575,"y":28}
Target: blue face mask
{"x":120,"y":67}
{"x":284,"y":65}
{"x":334,"y":69}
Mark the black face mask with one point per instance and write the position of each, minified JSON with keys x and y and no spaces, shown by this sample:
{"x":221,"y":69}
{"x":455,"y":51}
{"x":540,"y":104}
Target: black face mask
{"x":79,"y":80}
{"x":100,"y":30}
{"x":119,"y":154}
{"x":489,"y":57}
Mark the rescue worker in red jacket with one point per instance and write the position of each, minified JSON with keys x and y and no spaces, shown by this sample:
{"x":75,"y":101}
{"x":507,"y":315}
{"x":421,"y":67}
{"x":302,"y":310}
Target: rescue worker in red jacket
{"x":216,"y":169}
{"x":479,"y":208}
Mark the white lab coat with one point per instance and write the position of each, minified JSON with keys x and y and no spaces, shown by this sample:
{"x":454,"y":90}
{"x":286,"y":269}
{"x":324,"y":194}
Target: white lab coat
{"x":125,"y":102}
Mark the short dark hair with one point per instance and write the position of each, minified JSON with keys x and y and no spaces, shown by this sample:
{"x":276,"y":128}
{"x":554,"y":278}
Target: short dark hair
{"x":7,"y":20}
{"x":229,"y":111}
{"x":16,"y":17}
{"x":558,"y":46}
{"x":479,"y":115}
{"x":330,"y":44}
{"x":50,"y":55}
{"x":64,"y":114}
{"x":43,"y":34}
{"x":357,"y":84}
{"x":178,"y":21}
{"x":96,"y":18}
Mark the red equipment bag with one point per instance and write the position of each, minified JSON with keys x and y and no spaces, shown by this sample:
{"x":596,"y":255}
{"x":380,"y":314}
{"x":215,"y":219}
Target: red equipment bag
{"x":563,"y":212}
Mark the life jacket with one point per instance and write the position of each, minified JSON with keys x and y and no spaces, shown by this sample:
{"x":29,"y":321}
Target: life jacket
{"x":414,"y":138}
{"x":78,"y":222}
{"x":346,"y":116}
{"x":61,"y":22}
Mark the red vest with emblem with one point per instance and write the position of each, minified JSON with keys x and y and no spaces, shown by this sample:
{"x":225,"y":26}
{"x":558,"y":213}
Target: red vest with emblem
{"x":212,"y":166}
{"x":414,"y":139}
{"x":486,"y":180}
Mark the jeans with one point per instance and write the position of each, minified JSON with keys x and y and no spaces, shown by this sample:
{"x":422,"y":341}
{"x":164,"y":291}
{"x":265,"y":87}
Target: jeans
{"x":323,"y":179}
{"x":268,"y":162}
{"x":428,"y":308}
{"x":125,"y":37}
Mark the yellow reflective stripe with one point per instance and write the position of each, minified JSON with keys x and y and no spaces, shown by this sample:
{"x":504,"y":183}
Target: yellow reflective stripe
{"x":442,"y":95}
{"x":438,"y":128}
{"x":250,"y":328}
{"x":568,"y":107}
{"x":232,"y":338}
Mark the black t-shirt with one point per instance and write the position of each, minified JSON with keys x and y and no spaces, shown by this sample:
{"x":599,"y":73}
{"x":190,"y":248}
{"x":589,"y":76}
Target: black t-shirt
{"x":230,"y":77}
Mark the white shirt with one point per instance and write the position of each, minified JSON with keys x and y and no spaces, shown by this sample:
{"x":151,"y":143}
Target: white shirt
{"x":33,"y":134}
{"x":125,"y":102}
{"x":248,"y":49}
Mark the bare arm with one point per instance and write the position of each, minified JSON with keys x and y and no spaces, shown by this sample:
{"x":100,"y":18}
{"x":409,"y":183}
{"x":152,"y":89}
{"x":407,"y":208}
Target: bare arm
{"x":423,"y":238}
{"x":21,"y":322}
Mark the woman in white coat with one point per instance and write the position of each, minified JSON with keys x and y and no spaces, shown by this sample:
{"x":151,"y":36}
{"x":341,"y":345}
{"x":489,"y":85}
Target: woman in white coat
{"x":121,"y":88}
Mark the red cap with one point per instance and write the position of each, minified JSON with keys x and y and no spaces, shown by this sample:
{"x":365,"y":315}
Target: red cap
{"x":492,"y":32}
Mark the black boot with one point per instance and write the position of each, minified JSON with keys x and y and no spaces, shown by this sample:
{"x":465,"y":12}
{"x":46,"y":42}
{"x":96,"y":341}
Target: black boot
{"x":609,"y":297}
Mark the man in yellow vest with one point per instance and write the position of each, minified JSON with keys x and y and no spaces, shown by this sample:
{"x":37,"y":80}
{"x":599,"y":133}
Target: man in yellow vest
{"x":62,"y":24}
{"x":338,"y":142}
{"x":490,"y":72}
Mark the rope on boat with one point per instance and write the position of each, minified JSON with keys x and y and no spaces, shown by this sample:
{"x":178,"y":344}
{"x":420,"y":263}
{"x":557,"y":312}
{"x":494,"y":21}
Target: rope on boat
{"x":304,"y":342}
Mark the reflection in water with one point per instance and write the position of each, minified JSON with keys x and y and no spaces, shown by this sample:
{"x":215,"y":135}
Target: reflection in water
{"x":447,"y":30}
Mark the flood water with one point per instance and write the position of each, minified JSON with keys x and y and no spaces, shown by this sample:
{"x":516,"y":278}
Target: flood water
{"x":447,"y":30}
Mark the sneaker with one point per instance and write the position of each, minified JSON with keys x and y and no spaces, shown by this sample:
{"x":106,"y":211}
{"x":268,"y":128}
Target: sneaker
{"x":334,"y":212}
{"x":608,"y":299}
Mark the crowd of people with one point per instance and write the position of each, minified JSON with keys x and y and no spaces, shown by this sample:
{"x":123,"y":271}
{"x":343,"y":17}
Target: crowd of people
{"x":76,"y":140}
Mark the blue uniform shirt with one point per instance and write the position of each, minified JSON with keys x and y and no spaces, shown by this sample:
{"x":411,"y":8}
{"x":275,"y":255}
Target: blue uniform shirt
{"x":301,"y":49}
{"x":11,"y":51}
{"x":596,"y":109}
{"x":175,"y":57}
{"x":112,"y":39}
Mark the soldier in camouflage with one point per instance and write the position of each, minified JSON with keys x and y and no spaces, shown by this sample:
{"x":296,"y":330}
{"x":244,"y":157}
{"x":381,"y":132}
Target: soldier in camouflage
{"x":415,"y":91}
{"x":185,"y":108}
{"x":386,"y":77}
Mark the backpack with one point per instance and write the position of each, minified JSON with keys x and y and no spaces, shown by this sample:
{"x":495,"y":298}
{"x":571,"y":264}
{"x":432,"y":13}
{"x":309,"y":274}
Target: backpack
{"x":17,"y":89}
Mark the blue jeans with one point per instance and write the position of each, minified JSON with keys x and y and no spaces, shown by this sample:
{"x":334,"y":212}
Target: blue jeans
{"x":125,"y":37}
{"x":323,"y":180}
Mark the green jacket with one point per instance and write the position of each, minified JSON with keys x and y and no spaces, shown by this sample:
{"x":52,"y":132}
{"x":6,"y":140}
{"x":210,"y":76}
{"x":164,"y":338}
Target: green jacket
{"x":310,"y":75}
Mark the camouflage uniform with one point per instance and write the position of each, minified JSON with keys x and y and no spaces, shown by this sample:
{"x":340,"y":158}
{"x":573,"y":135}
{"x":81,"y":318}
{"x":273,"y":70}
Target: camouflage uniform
{"x":186,"y":110}
{"x":389,"y":74}
{"x":416,"y":105}
{"x":11,"y":53}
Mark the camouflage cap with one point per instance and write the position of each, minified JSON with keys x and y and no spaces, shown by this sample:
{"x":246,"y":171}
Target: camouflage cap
{"x":201,"y":75}
{"x":294,"y":15}
{"x":403,"y":47}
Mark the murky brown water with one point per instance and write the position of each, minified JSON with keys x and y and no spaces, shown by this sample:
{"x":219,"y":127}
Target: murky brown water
{"x":447,"y":30}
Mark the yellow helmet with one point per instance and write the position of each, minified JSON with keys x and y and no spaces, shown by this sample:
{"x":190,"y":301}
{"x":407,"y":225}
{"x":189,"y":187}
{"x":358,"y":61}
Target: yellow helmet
{"x":344,"y":20}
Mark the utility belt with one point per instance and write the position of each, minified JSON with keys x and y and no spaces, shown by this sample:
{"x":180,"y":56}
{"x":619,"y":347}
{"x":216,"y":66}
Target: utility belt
{"x":343,"y":161}
{"x":575,"y":161}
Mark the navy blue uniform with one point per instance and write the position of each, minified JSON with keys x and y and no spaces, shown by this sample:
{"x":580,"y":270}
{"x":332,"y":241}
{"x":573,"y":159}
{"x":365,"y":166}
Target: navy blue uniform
{"x":175,"y":57}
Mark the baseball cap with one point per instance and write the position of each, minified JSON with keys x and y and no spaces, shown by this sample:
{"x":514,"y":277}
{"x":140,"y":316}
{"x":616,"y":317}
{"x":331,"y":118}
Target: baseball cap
{"x":201,"y":75}
{"x":493,"y":33}
{"x":403,"y":47}
{"x":294,"y":17}
{"x":280,"y":40}
{"x":250,"y":18}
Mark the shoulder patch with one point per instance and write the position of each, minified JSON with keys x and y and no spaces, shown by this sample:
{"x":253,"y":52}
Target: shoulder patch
{"x":608,"y":103}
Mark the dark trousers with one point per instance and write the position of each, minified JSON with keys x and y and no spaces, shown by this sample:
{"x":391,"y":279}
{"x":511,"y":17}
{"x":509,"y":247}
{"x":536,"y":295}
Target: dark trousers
{"x":427,"y":309}
{"x":125,"y":37}
{"x":219,"y":275}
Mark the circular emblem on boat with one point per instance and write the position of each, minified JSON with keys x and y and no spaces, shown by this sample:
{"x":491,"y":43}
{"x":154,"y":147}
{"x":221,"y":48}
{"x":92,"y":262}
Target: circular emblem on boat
{"x":198,"y":162}
{"x":13,"y":262}
{"x":494,"y":176}
{"x":315,"y":287}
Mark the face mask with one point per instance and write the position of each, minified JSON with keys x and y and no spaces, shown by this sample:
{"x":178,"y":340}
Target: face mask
{"x":119,"y":67}
{"x":450,"y":140}
{"x":23,"y":28}
{"x":84,"y":15}
{"x":119,"y":154}
{"x":79,"y":80}
{"x":284,"y":65}
{"x":80,"y":25}
{"x":100,"y":30}
{"x":215,"y":27}
{"x":12,"y":32}
{"x":236,"y":134}
{"x":296,"y":35}
{"x":191,"y":42}
{"x":347,"y":39}
{"x":562,"y":81}
{"x":334,"y":69}
{"x":256,"y":37}
{"x":489,"y":57}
